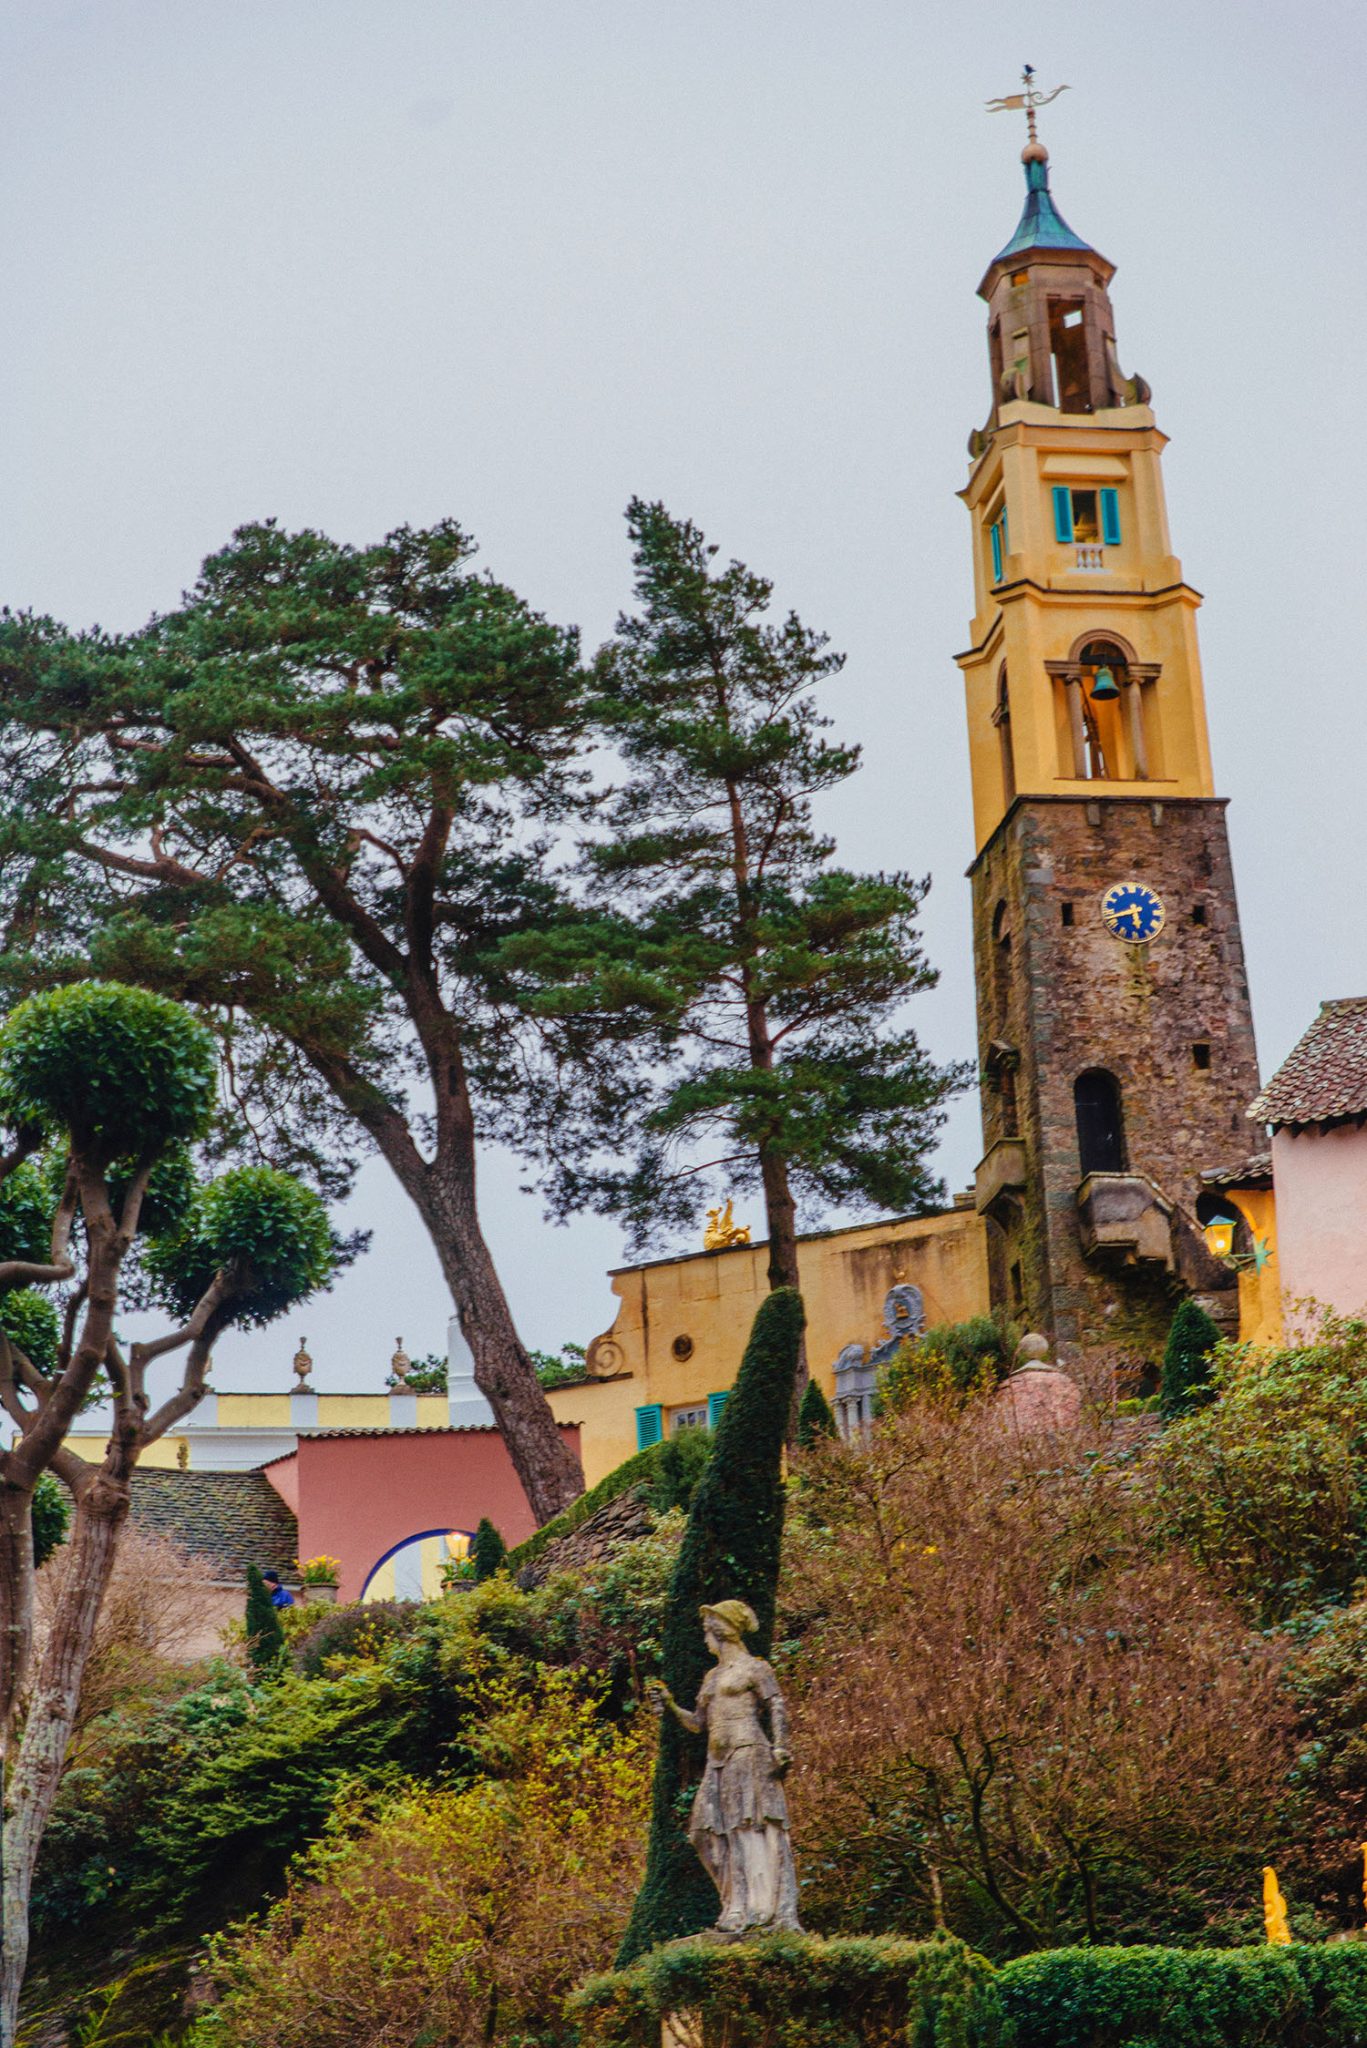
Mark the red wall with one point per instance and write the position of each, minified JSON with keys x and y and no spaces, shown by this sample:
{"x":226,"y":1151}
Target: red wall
{"x":359,"y":1496}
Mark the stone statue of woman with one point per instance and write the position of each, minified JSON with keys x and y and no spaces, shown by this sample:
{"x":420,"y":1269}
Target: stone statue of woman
{"x":739,"y":1822}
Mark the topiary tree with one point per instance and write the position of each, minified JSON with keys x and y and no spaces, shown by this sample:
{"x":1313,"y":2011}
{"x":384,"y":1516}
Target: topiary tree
{"x":265,"y":1635}
{"x":489,"y":1551}
{"x":1186,"y":1360}
{"x":814,"y":1417}
{"x":730,"y":1550}
{"x":103,"y":1090}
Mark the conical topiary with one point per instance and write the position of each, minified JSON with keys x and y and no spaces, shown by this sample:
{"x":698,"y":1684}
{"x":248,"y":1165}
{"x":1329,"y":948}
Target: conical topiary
{"x":488,"y":1550}
{"x":265,"y":1636}
{"x":1186,"y":1360}
{"x":814,"y":1417}
{"x":730,"y":1551}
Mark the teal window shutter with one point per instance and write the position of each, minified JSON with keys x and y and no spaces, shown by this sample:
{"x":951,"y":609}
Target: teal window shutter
{"x":996,"y":533}
{"x":715,"y":1404}
{"x":1063,"y":513}
{"x":650,"y":1426}
{"x":1110,"y":518}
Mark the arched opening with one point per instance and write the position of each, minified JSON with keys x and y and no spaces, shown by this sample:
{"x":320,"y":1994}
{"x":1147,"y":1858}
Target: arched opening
{"x":1100,"y":1122}
{"x":1001,"y":718}
{"x":412,"y":1568}
{"x":1001,"y":963}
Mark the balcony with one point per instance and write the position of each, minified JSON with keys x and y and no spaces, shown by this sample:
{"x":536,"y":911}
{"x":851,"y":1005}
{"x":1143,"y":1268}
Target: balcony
{"x":1090,"y":556}
{"x":999,"y":1176}
{"x":1125,"y":1221}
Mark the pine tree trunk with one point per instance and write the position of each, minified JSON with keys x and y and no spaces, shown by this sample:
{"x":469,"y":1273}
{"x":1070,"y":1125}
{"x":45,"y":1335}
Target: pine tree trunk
{"x":100,"y":1514}
{"x":551,"y":1474}
{"x":781,"y":1218}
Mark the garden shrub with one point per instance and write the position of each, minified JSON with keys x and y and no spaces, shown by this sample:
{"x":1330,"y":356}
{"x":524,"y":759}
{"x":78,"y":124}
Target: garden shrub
{"x":1187,"y":1360}
{"x":814,"y":1417}
{"x":489,"y":1552}
{"x":949,"y":1361}
{"x":1264,"y":1997}
{"x":731,"y":1550}
{"x":265,"y":1636}
{"x":1267,"y":1486}
{"x":787,"y":1991}
{"x":680,"y":1462}
{"x":353,"y":1633}
{"x":454,"y":1915}
{"x":608,"y":1620}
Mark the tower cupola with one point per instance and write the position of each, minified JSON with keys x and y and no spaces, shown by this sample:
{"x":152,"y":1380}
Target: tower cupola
{"x":1051,"y":330}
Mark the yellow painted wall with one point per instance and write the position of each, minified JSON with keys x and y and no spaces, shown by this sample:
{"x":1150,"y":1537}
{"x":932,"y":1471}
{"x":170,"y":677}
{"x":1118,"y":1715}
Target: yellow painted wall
{"x":254,"y":1411}
{"x":1260,"y":1291}
{"x":268,"y":1412}
{"x":711,"y":1299}
{"x":92,"y":1444}
{"x":353,"y":1411}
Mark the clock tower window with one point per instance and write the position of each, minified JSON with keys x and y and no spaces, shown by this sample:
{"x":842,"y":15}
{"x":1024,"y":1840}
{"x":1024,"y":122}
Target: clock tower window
{"x":1100,"y":1122}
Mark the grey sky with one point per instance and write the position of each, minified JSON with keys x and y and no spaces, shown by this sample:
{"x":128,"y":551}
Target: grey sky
{"x":355,"y":262}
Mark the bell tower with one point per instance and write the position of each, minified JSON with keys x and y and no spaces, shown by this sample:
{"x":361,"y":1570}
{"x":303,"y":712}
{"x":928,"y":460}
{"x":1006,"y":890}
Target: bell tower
{"x":1115,"y":1034}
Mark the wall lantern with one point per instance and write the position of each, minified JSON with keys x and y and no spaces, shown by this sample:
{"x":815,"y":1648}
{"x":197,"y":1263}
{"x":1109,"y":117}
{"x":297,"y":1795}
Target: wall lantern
{"x":1219,"y":1236}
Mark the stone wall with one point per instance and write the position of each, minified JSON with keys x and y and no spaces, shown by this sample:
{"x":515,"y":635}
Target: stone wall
{"x":1058,"y":994}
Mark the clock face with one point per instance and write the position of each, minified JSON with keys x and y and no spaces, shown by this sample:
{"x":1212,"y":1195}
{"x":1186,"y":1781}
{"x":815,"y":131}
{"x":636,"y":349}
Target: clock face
{"x":1132,"y":912}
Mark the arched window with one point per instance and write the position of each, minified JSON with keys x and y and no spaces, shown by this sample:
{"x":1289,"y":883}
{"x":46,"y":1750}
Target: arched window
{"x":1001,"y":963}
{"x":1100,"y":1122}
{"x":1001,"y":718}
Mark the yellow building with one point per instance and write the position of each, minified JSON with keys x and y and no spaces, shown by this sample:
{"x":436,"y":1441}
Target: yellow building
{"x":675,"y":1347}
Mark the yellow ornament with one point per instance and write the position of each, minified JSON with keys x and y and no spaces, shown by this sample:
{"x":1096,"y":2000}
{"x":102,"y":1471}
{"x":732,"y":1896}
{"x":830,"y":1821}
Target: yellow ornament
{"x":723,"y":1231}
{"x":1274,"y":1908}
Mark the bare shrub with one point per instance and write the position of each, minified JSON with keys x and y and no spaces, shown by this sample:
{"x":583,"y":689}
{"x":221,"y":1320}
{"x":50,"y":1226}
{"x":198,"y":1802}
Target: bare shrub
{"x":1004,"y":1693}
{"x":160,"y":1605}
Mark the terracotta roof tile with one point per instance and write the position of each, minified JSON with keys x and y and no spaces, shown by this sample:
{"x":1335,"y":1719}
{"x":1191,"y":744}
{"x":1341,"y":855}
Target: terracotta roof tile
{"x":1325,"y":1078}
{"x":1255,"y":1172}
{"x":232,"y":1519}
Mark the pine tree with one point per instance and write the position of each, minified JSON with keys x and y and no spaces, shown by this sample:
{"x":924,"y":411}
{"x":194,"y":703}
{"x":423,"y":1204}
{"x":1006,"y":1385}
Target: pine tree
{"x":1186,"y":1360}
{"x":489,"y":1550}
{"x":720,"y":932}
{"x":730,"y":1550}
{"x":265,"y":1636}
{"x":814,"y":1417}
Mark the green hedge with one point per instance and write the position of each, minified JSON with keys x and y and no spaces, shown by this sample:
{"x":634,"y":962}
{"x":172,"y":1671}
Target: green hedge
{"x":792,"y":1991}
{"x":1301,"y":1996}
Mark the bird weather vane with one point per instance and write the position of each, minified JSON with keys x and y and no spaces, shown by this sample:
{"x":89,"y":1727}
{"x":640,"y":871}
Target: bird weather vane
{"x":1028,"y":101}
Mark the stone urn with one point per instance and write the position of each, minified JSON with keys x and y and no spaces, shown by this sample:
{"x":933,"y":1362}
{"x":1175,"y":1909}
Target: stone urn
{"x":321,"y":1593}
{"x":1038,"y":1399}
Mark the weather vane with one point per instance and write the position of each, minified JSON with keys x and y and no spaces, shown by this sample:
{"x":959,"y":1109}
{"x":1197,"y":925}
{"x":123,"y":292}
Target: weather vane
{"x":1029,"y":100}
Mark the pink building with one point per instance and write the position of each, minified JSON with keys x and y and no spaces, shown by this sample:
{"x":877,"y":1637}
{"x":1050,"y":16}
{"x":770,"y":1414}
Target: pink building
{"x":1316,"y":1107}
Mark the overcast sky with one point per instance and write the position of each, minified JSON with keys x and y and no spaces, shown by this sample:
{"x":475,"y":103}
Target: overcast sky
{"x":357,"y":262}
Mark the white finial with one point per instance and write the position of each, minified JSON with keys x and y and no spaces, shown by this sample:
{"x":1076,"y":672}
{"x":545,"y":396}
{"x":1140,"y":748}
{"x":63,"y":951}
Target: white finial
{"x":303,"y":1364}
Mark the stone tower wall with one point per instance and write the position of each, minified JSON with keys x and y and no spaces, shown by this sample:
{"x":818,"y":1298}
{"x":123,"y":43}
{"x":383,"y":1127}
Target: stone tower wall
{"x":1068,"y":996}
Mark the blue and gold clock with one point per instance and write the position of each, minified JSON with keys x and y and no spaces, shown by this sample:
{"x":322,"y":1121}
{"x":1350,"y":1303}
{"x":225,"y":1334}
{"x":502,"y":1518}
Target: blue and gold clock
{"x":1130,"y":911}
